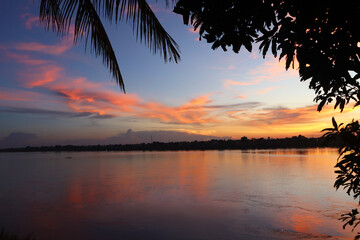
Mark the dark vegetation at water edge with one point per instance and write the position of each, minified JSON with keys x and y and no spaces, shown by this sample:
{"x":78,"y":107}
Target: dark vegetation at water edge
{"x":243,"y":143}
{"x":4,"y":235}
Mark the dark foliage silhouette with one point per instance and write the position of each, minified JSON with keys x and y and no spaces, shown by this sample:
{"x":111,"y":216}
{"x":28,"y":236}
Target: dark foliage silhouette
{"x":348,"y":165}
{"x":86,"y":17}
{"x":323,"y":36}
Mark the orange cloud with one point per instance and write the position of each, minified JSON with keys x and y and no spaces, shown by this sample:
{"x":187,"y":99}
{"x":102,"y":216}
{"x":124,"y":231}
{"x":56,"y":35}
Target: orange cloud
{"x":204,"y":132}
{"x":289,"y":120}
{"x":99,"y":102}
{"x":188,"y":113}
{"x":230,"y":82}
{"x":200,"y":101}
{"x":117,"y":104}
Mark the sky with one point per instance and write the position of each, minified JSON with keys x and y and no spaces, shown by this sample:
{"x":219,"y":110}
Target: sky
{"x":55,"y":92}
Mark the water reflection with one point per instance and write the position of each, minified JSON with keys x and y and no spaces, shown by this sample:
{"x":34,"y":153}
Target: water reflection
{"x":256,"y":194}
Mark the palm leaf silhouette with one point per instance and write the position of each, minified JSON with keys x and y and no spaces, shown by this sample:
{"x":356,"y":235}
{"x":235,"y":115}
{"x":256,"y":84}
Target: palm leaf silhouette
{"x":86,"y":15}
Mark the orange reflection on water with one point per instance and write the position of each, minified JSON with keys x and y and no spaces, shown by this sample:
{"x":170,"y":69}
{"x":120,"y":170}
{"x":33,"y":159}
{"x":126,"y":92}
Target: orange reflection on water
{"x":306,"y":223}
{"x":141,"y":180}
{"x":75,"y":191}
{"x":193,"y":173}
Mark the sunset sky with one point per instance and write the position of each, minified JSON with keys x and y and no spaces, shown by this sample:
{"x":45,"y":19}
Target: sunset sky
{"x":52,"y":92}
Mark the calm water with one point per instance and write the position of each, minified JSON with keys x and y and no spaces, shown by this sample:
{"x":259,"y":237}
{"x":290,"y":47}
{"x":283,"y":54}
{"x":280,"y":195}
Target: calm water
{"x":212,"y":195}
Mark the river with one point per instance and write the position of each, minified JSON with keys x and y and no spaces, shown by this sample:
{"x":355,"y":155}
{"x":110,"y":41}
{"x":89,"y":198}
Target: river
{"x":184,"y":195}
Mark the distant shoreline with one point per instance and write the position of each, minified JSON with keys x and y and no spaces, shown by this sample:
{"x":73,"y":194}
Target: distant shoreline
{"x":241,"y":144}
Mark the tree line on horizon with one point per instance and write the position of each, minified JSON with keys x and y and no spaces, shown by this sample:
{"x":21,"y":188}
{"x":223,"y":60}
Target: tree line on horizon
{"x":214,"y":144}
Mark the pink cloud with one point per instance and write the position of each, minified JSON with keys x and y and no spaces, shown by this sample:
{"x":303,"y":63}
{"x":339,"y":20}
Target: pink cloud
{"x":56,"y":49}
{"x":26,"y":59}
{"x":42,"y":76}
{"x":53,"y":49}
{"x":266,"y":90}
{"x":32,"y":21}
{"x":254,"y":55}
{"x":11,"y":97}
{"x":272,"y":70}
{"x":191,"y":29}
{"x":81,"y":95}
{"x":230,"y":67}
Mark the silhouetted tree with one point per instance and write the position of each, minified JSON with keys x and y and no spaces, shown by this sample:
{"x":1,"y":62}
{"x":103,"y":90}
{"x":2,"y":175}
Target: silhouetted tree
{"x":214,"y":144}
{"x":323,"y":36}
{"x":348,"y":165}
{"x":86,"y":17}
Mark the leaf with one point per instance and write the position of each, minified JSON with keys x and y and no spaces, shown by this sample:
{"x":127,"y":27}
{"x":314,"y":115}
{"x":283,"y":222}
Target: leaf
{"x":236,"y":47}
{"x":266,"y":47}
{"x":273,"y":48}
{"x":289,"y":59}
{"x":321,"y":105}
{"x":216,"y":44}
{"x":342,"y":105}
{"x":334,"y":123}
{"x":247,"y":45}
{"x":327,"y":129}
{"x":338,"y":101}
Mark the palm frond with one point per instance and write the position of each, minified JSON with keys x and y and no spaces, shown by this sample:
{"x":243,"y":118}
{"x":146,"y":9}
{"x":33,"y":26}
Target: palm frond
{"x":146,"y":26}
{"x":51,"y":14}
{"x":84,"y":14}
